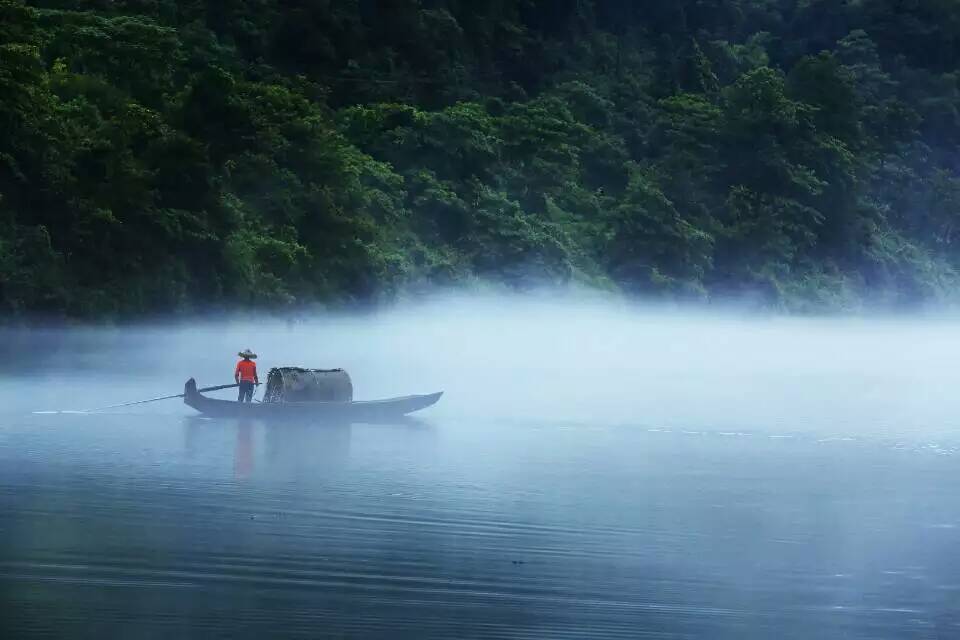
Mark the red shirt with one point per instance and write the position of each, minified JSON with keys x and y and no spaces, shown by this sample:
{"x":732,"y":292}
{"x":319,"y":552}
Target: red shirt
{"x":247,"y":370}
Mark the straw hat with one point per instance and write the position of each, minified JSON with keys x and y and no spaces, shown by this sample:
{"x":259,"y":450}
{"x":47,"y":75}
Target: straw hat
{"x":246,"y":353}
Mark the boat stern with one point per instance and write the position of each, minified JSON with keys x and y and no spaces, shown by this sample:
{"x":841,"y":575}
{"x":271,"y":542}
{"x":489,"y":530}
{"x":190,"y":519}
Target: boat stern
{"x":190,"y":391}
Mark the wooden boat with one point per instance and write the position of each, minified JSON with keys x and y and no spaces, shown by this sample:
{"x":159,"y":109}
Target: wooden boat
{"x":340,"y":411}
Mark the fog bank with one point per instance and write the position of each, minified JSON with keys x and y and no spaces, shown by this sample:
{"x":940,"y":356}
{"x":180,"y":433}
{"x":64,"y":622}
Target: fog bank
{"x":584,"y":360}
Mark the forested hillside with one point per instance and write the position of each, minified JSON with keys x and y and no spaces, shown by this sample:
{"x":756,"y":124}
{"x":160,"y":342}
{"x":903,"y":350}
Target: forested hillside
{"x":177,"y":155}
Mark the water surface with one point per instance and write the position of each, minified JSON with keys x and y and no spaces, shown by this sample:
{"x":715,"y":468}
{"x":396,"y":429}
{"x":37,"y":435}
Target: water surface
{"x":593,"y":471}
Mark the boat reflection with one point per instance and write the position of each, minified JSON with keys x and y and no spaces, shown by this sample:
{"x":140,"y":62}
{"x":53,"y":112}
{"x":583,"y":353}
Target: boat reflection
{"x":282,"y":451}
{"x":295,"y":451}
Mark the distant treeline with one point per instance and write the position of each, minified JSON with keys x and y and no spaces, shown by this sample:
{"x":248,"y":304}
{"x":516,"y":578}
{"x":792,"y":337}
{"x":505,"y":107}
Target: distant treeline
{"x":177,"y":155}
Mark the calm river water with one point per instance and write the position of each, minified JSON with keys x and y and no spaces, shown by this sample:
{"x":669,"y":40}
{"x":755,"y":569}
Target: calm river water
{"x":591,"y":473}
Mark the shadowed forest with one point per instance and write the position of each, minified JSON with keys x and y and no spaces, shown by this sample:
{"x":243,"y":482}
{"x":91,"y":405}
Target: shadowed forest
{"x":182,"y":155}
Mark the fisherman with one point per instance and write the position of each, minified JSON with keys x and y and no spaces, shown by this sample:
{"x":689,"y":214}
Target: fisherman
{"x":246,"y":375}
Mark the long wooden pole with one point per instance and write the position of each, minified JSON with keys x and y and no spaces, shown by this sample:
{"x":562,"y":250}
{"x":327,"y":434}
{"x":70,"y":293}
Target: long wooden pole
{"x":179,"y":395}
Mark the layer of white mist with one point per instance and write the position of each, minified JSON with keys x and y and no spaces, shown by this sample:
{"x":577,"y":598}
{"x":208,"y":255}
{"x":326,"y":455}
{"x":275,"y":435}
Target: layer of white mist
{"x":549,"y":360}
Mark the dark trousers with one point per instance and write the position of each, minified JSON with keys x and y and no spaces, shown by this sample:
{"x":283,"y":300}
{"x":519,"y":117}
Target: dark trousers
{"x":246,"y":392}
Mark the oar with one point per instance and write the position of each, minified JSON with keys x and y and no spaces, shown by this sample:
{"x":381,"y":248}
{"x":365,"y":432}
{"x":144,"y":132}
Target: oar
{"x":130,"y":404}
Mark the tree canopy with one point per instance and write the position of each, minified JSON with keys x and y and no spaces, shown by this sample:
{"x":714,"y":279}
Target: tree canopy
{"x":179,"y":155}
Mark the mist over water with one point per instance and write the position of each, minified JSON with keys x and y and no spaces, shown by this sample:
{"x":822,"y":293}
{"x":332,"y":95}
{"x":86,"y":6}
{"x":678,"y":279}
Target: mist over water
{"x":595,"y":469}
{"x":514,"y":359}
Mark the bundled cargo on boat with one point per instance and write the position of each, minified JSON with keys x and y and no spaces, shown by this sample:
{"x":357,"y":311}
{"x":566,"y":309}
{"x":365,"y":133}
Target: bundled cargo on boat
{"x":296,"y":384}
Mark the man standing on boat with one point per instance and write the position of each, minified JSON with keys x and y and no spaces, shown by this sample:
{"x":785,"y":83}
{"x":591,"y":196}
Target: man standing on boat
{"x":246,"y":375}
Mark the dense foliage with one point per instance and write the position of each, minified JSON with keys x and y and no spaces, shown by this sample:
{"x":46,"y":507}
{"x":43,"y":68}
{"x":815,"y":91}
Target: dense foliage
{"x":161,"y":155}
